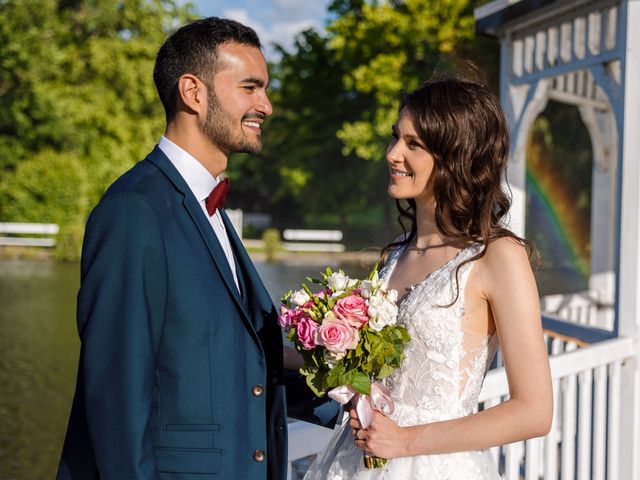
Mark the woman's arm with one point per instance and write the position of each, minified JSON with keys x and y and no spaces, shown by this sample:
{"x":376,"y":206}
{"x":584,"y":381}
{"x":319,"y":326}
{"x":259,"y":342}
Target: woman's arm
{"x":508,"y":284}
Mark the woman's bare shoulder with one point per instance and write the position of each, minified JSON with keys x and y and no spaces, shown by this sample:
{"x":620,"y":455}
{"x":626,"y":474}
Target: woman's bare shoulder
{"x":506,"y":260}
{"x":506,"y":249}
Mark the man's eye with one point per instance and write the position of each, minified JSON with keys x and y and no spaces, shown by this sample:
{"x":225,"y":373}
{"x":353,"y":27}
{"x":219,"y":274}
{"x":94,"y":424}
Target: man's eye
{"x":249,"y":88}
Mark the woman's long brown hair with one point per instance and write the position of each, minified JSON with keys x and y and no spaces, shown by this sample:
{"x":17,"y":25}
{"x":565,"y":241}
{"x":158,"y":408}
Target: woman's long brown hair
{"x":463,"y":126}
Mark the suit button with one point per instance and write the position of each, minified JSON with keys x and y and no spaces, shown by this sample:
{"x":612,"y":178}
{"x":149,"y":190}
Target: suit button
{"x":257,"y":390}
{"x":258,"y":456}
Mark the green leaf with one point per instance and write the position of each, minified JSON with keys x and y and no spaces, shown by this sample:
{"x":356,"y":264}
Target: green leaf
{"x":315,"y":382}
{"x":373,"y":271}
{"x":385,"y":371}
{"x":361,"y":383}
{"x":335,"y":375}
{"x":285,"y":298}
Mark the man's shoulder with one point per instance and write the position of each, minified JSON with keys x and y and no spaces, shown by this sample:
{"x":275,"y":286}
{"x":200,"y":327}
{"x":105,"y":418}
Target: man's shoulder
{"x":142,"y":176}
{"x":145,"y":185}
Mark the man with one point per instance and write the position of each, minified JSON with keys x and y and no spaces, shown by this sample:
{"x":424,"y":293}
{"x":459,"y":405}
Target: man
{"x":180,"y":372}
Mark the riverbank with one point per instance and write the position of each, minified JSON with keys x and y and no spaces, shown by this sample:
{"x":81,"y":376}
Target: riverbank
{"x":365,"y":258}
{"x":25,"y":253}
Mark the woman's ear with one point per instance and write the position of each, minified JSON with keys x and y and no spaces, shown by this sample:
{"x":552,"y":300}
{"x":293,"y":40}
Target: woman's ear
{"x":192,"y":93}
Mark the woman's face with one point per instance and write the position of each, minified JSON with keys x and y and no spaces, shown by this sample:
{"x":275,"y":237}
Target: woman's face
{"x":410,"y":164}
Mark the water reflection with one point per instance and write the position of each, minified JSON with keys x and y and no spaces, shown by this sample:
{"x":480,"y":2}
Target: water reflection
{"x":39,"y":354}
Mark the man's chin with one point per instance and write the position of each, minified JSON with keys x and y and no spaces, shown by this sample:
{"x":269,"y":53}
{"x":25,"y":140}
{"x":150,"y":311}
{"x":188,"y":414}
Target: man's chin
{"x":252,"y":149}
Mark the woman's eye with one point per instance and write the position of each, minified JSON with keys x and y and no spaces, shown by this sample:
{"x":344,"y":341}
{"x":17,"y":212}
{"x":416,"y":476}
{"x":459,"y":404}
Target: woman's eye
{"x":414,"y":145}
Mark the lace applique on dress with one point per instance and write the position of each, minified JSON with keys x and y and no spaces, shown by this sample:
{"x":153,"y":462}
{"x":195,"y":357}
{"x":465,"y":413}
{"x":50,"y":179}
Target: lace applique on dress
{"x":439,"y":379}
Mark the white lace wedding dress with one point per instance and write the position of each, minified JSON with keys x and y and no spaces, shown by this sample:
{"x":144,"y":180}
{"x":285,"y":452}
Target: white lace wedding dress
{"x":440,"y":379}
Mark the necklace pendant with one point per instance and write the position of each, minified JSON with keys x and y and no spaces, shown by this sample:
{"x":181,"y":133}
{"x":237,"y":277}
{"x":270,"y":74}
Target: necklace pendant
{"x":420,"y":251}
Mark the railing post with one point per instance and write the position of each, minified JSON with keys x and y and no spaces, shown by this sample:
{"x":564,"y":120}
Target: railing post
{"x":629,"y":251}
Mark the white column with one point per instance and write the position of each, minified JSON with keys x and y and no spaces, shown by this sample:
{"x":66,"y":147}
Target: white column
{"x":603,"y":133}
{"x":629,"y":284}
{"x":527,"y":101}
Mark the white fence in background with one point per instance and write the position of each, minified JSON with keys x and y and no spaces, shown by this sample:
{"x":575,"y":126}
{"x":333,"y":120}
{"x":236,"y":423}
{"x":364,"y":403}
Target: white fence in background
{"x":313,"y":241}
{"x":584,"y":308}
{"x":28,"y":229}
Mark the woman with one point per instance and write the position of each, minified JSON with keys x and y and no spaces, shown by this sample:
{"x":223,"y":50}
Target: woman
{"x":465,"y":284}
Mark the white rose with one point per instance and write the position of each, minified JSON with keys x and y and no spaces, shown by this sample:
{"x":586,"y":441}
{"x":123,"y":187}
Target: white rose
{"x":300,"y":297}
{"x":332,"y":358}
{"x":381,"y":312}
{"x":338,"y":281}
{"x":392,"y":295}
{"x":365,"y":289}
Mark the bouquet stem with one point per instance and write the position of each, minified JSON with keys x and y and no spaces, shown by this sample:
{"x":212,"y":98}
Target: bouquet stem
{"x":373,"y":462}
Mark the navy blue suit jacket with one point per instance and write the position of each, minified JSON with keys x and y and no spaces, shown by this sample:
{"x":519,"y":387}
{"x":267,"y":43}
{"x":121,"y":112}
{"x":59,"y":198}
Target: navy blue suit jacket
{"x":180,"y":376}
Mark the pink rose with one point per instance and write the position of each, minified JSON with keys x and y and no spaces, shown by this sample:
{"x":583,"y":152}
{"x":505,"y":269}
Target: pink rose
{"x":353,"y":309}
{"x":305,"y":330}
{"x":289,"y":318}
{"x":337,"y":335}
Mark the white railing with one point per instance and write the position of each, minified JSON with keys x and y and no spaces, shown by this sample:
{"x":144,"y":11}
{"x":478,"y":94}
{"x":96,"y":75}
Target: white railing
{"x":585,"y":435}
{"x":312,"y":241}
{"x":12,"y":228}
{"x":584,"y":308}
{"x":587,"y":395}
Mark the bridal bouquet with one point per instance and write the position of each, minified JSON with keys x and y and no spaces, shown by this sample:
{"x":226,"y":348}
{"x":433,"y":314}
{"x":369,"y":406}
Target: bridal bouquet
{"x":347,"y":335}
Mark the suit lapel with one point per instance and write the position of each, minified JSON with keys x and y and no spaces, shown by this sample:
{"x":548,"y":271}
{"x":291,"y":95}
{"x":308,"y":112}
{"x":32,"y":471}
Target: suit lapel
{"x":254,"y":285}
{"x":158,"y":158}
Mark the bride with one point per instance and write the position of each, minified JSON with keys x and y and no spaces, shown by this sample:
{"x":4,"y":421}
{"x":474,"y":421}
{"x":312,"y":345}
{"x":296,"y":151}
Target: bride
{"x":465,"y":286}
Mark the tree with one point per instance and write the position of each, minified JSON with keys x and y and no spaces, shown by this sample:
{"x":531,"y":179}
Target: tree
{"x":390,"y":47}
{"x":77,"y":101}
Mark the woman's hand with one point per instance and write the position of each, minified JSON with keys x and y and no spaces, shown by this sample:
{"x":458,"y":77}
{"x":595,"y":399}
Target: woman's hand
{"x":384,"y":438}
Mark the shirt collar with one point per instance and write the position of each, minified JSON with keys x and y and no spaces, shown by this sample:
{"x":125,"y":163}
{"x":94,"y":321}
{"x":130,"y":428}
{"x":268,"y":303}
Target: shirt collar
{"x":198,"y":178}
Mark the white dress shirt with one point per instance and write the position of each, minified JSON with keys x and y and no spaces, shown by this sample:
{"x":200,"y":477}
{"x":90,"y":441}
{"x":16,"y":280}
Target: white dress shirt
{"x":201,"y":182}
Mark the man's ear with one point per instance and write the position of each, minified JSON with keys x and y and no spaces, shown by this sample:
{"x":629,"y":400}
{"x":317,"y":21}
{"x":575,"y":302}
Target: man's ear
{"x":192,"y":93}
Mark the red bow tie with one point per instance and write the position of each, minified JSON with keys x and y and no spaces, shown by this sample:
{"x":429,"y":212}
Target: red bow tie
{"x":217,"y":196}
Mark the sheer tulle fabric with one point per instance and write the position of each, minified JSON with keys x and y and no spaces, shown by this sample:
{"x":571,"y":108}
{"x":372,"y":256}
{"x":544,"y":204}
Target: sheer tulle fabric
{"x":440,"y":379}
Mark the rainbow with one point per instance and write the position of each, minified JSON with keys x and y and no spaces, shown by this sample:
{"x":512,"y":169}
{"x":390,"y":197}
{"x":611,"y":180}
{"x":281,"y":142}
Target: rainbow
{"x":552,"y":206}
{"x":542,"y":202}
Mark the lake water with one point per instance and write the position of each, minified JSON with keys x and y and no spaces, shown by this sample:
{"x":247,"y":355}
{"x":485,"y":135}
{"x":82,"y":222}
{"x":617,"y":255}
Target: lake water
{"x":39,"y":352}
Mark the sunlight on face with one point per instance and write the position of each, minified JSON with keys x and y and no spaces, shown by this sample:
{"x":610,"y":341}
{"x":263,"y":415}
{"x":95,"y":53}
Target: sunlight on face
{"x":238,"y":101}
{"x":410,"y":163}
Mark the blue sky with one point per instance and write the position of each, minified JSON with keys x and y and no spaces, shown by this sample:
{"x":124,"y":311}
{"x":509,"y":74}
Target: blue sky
{"x":274,"y":20}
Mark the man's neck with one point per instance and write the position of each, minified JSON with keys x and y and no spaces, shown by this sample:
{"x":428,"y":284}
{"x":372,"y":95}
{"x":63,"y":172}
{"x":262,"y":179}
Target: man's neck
{"x":199,"y":147}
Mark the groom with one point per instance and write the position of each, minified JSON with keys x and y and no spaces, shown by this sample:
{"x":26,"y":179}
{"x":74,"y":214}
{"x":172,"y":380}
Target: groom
{"x":180,"y":372}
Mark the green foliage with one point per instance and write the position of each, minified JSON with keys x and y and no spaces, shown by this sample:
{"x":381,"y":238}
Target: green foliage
{"x":77,"y":101}
{"x":69,"y":242}
{"x":389,"y":47}
{"x":48,"y":187}
{"x":271,"y":239}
